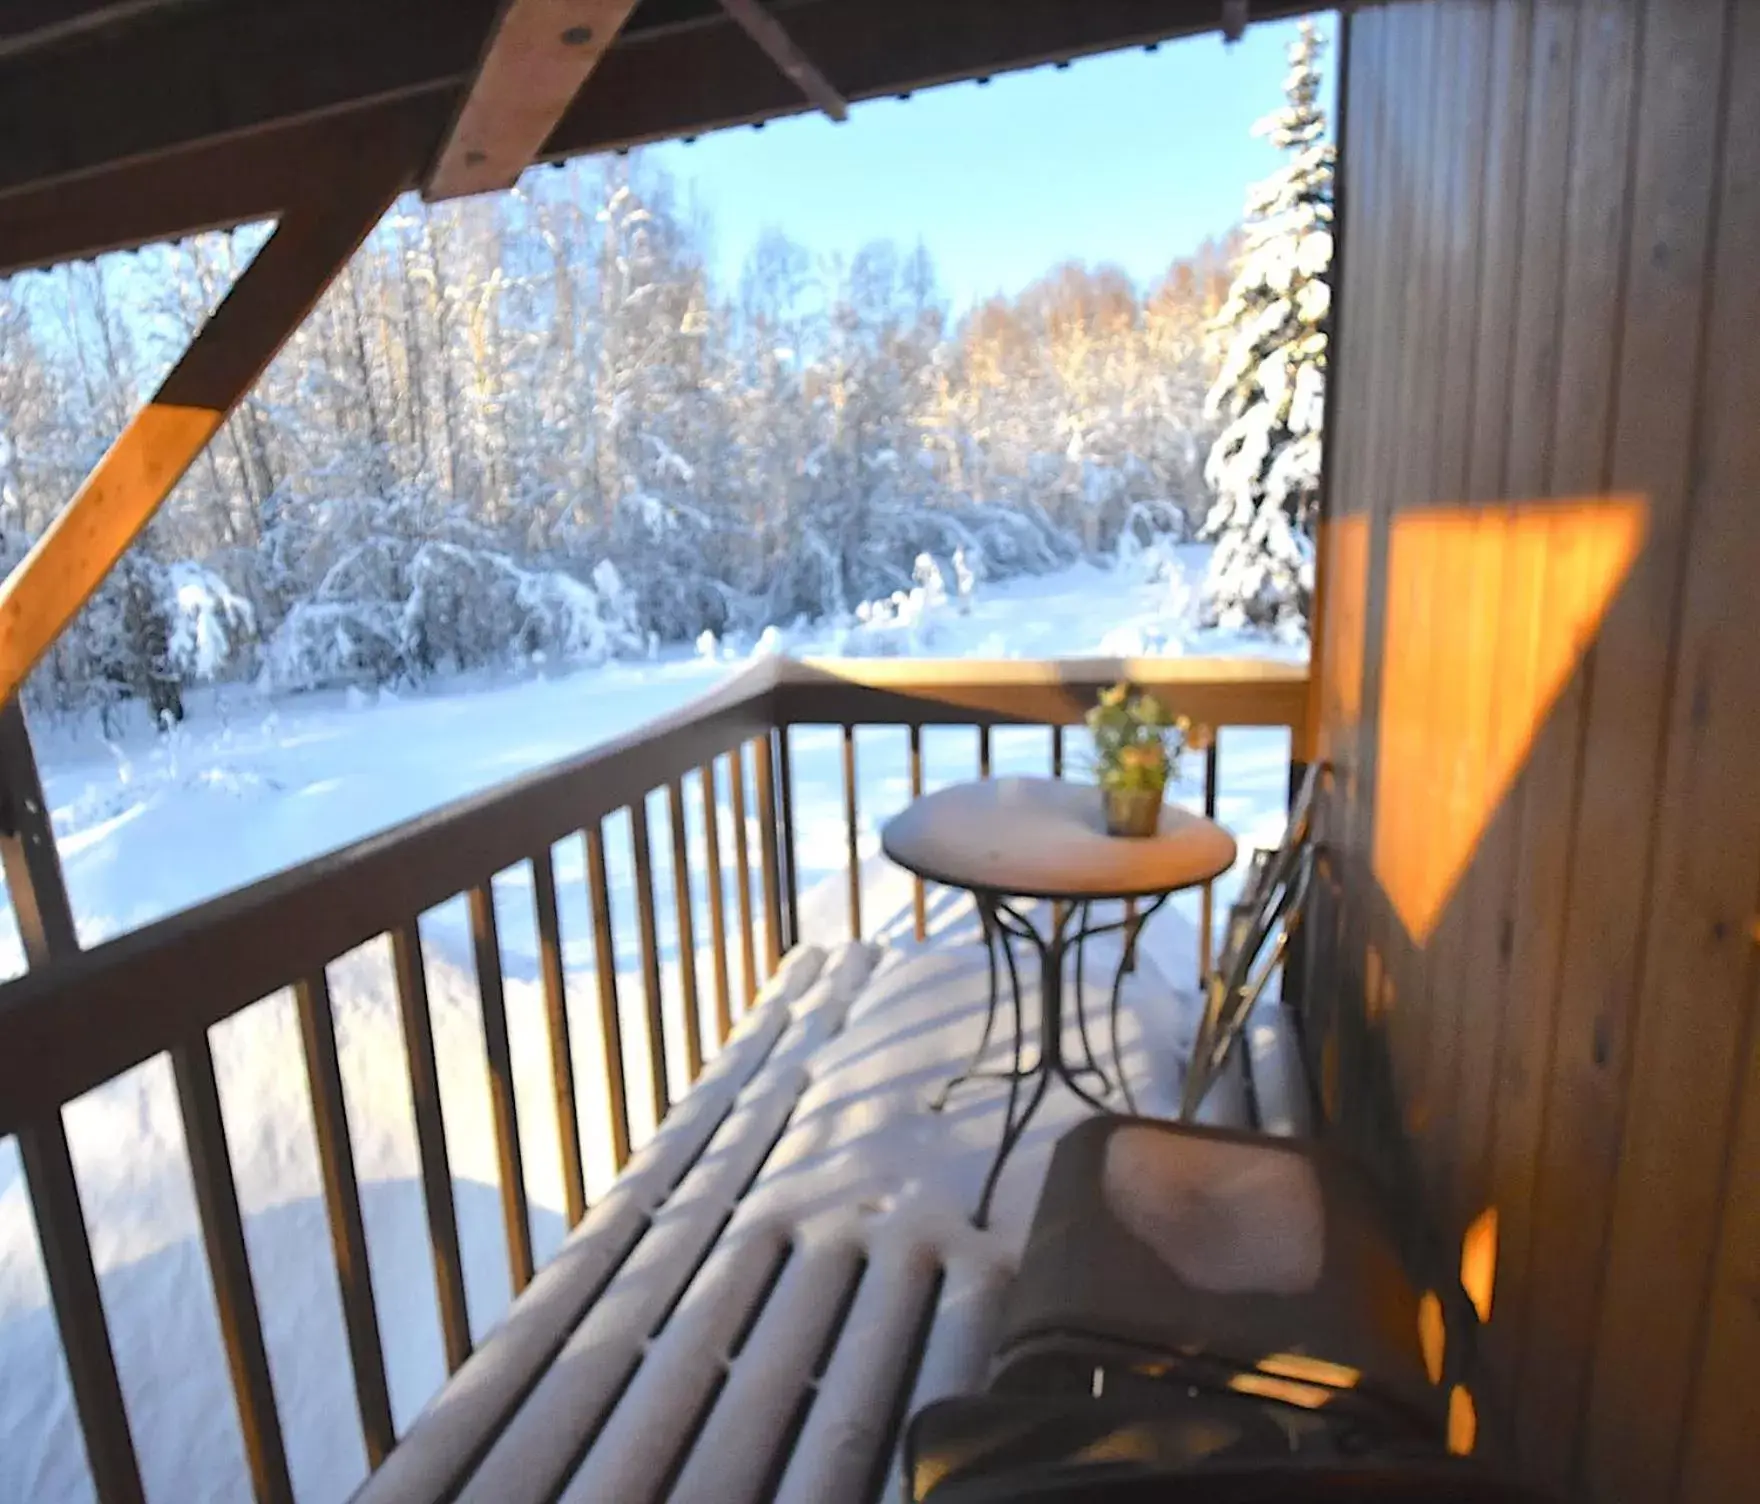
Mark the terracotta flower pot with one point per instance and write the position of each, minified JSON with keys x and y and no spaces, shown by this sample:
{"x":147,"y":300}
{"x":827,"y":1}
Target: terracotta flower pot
{"x":1133,"y":812}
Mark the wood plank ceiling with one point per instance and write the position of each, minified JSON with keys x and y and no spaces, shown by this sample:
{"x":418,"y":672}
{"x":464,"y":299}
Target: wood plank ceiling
{"x":126,"y":121}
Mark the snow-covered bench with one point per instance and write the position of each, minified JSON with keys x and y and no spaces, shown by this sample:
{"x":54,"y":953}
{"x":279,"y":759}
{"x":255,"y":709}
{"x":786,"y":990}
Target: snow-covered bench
{"x":594,"y":1385}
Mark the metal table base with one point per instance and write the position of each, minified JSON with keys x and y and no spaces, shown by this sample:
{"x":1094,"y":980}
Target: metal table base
{"x":1001,"y":920}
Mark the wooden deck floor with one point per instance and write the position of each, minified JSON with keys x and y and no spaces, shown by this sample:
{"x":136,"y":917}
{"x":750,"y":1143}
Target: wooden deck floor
{"x":788,"y":1269}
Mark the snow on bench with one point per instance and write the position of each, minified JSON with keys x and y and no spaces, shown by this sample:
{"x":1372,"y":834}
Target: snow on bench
{"x":789,"y":1267}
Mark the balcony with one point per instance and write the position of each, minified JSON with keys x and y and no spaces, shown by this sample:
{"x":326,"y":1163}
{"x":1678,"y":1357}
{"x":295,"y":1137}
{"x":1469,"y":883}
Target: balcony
{"x":776,"y":1264}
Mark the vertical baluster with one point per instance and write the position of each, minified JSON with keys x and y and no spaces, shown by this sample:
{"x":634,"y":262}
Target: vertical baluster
{"x":510,"y":1162}
{"x":46,"y":930}
{"x":568,"y":1123}
{"x":342,"y":1203}
{"x":717,"y":901}
{"x":983,"y":751}
{"x":424,"y":1092}
{"x":849,"y":827}
{"x":919,"y":901}
{"x":229,"y":1268}
{"x":53,"y":1193}
{"x":1293,"y":984}
{"x":768,"y":855}
{"x":791,"y":935}
{"x":610,"y":1023}
{"x":742,"y":860}
{"x":1207,"y":899}
{"x":687,"y":929}
{"x":1057,"y":772}
{"x":651,"y":993}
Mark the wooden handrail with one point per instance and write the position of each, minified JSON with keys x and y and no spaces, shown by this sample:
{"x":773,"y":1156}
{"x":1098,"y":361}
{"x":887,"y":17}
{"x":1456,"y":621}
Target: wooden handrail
{"x":67,"y":1028}
{"x":1211,"y":692}
{"x":972,"y":691}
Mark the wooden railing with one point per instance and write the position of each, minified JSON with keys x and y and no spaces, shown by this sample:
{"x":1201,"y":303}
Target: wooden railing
{"x":917,"y":693}
{"x":75,"y":1022}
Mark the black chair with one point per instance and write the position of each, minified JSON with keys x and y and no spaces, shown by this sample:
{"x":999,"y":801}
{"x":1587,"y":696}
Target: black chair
{"x":1136,"y":1449}
{"x":1222,"y":1260}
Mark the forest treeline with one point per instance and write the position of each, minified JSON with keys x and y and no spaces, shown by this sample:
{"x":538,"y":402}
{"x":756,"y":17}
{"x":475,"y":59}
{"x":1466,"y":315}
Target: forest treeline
{"x":534,"y":424}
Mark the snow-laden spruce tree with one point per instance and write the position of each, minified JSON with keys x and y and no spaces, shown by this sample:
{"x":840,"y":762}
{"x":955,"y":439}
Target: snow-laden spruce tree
{"x":1265,"y":466}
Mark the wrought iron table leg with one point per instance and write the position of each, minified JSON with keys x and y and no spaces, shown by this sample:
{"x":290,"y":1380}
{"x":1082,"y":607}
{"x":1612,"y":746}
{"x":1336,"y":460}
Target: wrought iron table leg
{"x":1012,"y":1128}
{"x":1052,"y":952}
{"x":992,"y":935}
{"x":1011,"y":1136}
{"x":1092,"y":1066}
{"x":1133,"y":929}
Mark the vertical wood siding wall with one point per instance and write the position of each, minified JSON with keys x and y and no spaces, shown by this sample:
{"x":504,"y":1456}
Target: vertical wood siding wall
{"x":1542,"y":697}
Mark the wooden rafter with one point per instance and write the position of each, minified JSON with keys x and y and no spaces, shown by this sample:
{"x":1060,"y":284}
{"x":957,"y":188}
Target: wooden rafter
{"x":216,"y":72}
{"x":26,"y":24}
{"x":210,"y":185}
{"x":539,"y":55}
{"x":311,"y":243}
{"x":764,"y":29}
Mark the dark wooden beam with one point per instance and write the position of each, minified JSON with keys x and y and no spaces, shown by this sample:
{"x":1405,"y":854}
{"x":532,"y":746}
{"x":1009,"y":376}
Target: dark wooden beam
{"x":538,"y":56}
{"x":32,"y":25}
{"x":764,"y":29}
{"x":198,"y":73}
{"x":268,"y":302}
{"x":207,"y":186}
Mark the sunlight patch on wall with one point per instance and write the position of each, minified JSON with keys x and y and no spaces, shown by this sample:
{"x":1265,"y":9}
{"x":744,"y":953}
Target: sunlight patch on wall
{"x":1479,"y":1261}
{"x":1463,"y":1422}
{"x":1490,"y":609}
{"x":1347,"y":578}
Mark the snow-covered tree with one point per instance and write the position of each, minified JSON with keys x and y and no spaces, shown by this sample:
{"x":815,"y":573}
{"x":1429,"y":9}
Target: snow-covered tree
{"x":534,"y":427}
{"x":1265,"y":465}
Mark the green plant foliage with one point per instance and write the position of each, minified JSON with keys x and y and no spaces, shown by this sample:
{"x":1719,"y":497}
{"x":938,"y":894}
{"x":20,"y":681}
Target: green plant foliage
{"x":1137,"y":743}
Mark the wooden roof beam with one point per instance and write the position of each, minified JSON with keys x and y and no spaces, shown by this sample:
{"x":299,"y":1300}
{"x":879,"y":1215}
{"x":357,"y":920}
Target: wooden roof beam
{"x":764,"y":29}
{"x":28,"y":24}
{"x":209,"y":185}
{"x":539,"y":54}
{"x":270,"y":299}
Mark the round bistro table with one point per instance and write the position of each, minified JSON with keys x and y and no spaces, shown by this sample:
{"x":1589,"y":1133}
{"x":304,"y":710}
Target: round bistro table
{"x":1007,"y":839}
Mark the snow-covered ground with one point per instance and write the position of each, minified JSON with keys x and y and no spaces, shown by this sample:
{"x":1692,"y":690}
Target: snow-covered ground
{"x":248,"y":786}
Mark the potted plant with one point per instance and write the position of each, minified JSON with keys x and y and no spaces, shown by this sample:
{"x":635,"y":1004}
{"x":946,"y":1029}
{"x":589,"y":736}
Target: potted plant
{"x":1137,"y":745}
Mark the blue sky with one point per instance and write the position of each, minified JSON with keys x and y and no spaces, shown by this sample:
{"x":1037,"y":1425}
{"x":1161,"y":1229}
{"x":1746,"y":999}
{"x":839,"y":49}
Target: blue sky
{"x":1132,"y":158}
